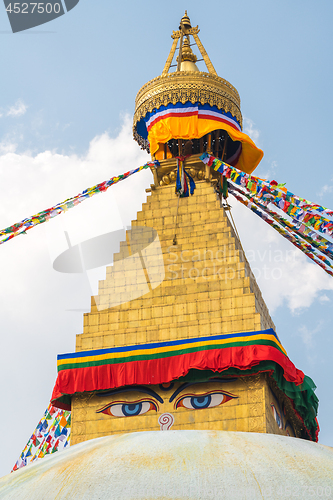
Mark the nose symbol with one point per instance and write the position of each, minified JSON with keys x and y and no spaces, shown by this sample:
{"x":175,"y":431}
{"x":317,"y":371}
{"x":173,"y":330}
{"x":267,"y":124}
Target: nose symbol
{"x":166,"y":421}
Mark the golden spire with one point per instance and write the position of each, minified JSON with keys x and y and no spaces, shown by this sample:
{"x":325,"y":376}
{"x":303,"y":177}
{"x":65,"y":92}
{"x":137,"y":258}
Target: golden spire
{"x":186,"y":83}
{"x":185,"y":31}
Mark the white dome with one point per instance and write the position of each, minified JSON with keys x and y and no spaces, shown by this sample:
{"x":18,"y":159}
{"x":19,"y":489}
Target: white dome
{"x":178,"y":465}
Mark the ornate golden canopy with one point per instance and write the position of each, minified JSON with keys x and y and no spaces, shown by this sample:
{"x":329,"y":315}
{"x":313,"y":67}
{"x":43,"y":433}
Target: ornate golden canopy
{"x":186,"y":84}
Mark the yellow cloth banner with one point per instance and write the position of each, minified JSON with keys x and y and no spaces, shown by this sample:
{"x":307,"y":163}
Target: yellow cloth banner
{"x":192,"y":127}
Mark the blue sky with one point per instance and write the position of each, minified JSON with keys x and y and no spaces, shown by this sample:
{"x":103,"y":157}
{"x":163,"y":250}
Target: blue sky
{"x":67,"y":100}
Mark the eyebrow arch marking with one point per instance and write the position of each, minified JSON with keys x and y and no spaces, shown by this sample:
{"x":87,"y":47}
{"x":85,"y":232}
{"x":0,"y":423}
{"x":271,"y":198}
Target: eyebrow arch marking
{"x":187,"y":384}
{"x":137,"y":388}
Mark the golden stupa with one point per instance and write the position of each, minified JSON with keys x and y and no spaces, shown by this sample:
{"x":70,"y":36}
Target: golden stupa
{"x":179,"y":337}
{"x":181,"y":279}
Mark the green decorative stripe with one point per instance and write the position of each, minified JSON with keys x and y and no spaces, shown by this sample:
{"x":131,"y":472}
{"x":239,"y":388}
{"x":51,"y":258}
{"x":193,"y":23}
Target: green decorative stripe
{"x":302,"y":396}
{"x":158,"y":355}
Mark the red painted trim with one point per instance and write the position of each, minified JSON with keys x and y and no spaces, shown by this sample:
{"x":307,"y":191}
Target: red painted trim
{"x":174,"y":114}
{"x":217,"y":119}
{"x":163,"y":370}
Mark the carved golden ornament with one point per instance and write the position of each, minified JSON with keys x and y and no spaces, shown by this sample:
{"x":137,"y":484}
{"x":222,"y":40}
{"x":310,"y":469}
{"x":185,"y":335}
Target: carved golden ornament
{"x":79,"y":428}
{"x":255,"y":410}
{"x":173,"y":175}
{"x":183,"y":87}
{"x":256,"y":424}
{"x":166,"y":173}
{"x":190,"y":31}
{"x":166,"y":179}
{"x":185,"y":22}
{"x":255,"y":382}
{"x":80,"y":413}
{"x":82,"y":401}
{"x":187,"y":54}
{"x":187,"y":86}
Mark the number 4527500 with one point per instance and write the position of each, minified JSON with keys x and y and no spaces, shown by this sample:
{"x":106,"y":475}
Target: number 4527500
{"x":31,"y":8}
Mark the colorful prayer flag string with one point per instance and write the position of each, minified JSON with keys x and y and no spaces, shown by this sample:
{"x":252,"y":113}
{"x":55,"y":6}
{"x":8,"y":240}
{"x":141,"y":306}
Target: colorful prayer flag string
{"x":22,"y":227}
{"x":183,"y":178}
{"x":51,"y":434}
{"x":321,"y":244}
{"x":293,"y":238}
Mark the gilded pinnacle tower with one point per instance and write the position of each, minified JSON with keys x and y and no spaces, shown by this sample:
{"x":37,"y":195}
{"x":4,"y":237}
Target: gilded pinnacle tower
{"x":180,"y":306}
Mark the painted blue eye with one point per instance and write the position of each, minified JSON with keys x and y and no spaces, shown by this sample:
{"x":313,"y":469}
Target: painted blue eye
{"x":201,"y":401}
{"x":124,"y":409}
{"x":132,"y":409}
{"x":277,"y":416}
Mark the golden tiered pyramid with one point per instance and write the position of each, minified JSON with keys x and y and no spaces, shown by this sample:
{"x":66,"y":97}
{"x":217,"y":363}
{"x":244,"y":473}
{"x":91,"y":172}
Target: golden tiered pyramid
{"x":208,"y":288}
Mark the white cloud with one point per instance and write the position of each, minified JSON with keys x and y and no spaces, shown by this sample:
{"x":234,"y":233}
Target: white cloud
{"x":250,"y":129}
{"x":35,"y":322}
{"x":37,"y":182}
{"x":18,"y":109}
{"x":33,"y":183}
{"x":324,"y":298}
{"x":267,"y":171}
{"x":7,"y":146}
{"x":308,"y":336}
{"x":326,"y":189}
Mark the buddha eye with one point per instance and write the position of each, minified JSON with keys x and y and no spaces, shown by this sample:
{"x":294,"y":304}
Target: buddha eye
{"x":201,"y":401}
{"x":128,"y":408}
{"x":277,"y":416}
